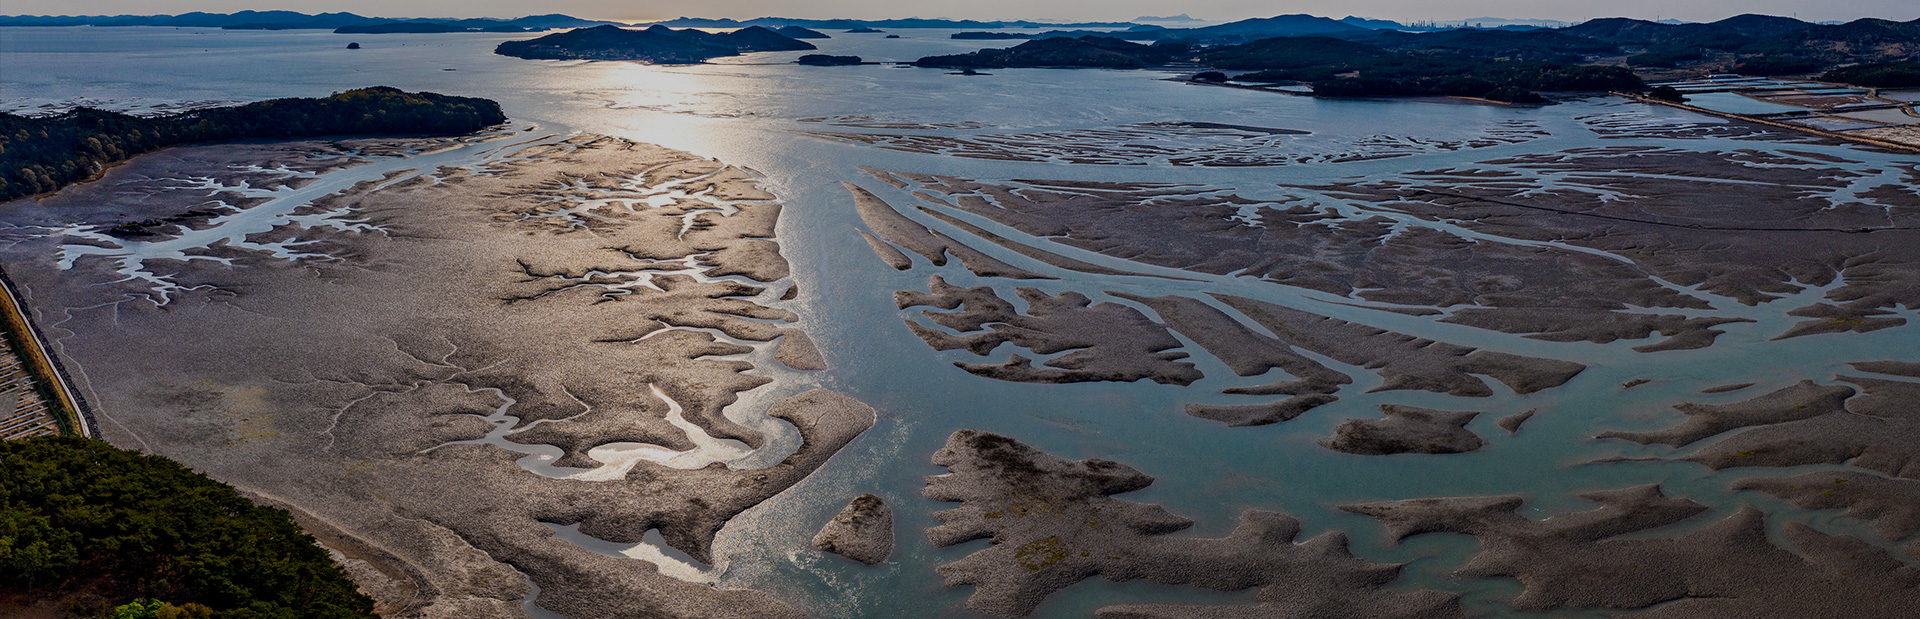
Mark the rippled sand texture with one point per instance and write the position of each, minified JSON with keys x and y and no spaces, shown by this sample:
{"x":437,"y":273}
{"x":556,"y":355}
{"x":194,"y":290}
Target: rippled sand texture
{"x":1169,"y":143}
{"x":1054,"y":523}
{"x":1510,"y":275}
{"x":452,"y":357}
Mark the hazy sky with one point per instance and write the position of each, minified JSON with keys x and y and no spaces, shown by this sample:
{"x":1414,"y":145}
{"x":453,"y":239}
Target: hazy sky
{"x":1568,"y":10}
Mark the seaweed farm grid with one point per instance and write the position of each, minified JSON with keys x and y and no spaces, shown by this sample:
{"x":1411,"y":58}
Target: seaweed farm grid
{"x":27,"y":414}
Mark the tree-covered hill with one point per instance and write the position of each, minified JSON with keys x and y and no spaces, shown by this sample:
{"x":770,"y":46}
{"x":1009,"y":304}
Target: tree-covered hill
{"x":1515,"y":44}
{"x":43,"y":154}
{"x":82,"y":519}
{"x":657,"y":44}
{"x":1864,"y":40}
{"x":1284,"y":53}
{"x":1904,"y":74}
{"x":1343,"y":68}
{"x":1083,"y":52}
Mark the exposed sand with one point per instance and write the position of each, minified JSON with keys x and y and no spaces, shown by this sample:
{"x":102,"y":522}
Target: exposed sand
{"x":862,"y":532}
{"x":1173,"y":143}
{"x":1052,"y":523}
{"x":369,"y":359}
{"x":1872,"y":424}
{"x":1407,"y":429}
{"x":887,"y":223}
{"x":1599,"y":559}
{"x":1109,"y":341}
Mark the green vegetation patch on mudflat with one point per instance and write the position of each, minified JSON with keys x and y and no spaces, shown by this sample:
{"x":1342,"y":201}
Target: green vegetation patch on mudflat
{"x":79,"y":515}
{"x":44,"y":154}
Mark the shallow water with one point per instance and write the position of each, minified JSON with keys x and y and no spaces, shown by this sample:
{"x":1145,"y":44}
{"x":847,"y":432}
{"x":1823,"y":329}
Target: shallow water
{"x":746,"y":111}
{"x":1733,"y":103}
{"x":1889,"y":116}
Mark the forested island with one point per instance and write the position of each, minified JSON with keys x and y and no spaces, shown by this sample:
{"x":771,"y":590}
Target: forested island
{"x":1335,"y":67}
{"x":40,"y":154}
{"x":103,"y":531}
{"x":1084,"y":52}
{"x":657,"y":45}
{"x":1339,"y":68}
{"x":1357,"y":58}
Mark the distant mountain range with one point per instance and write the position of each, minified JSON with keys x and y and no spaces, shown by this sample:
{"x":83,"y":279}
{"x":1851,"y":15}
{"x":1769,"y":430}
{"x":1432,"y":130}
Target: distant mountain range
{"x":849,"y":24}
{"x":1649,"y":43}
{"x":1182,"y":18}
{"x":289,"y":20}
{"x":1259,"y":28}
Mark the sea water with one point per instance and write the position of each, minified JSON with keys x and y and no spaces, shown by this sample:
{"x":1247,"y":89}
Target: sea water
{"x":750,"y":110}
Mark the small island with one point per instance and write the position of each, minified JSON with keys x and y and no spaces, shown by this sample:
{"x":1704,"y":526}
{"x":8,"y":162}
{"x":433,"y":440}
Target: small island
{"x":865,"y":30}
{"x":823,"y":60}
{"x":655,"y":45}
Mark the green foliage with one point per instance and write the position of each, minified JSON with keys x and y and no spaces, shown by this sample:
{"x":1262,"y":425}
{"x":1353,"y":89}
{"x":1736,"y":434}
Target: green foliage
{"x":43,"y":154}
{"x":1882,"y":75}
{"x":146,"y":608}
{"x":32,"y":548}
{"x":76,"y":510}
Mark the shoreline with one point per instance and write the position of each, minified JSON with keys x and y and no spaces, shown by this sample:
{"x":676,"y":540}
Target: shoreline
{"x":70,"y":409}
{"x":1778,"y":125}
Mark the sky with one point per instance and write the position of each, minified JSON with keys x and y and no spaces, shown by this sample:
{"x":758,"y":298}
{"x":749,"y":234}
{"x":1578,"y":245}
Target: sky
{"x":1080,"y":10}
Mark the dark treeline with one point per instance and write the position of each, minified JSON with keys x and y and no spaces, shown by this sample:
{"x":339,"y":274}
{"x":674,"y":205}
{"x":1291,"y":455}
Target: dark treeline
{"x":1084,"y":52}
{"x":1360,"y":58}
{"x":656,"y":44}
{"x":43,"y":154}
{"x":1335,"y":67}
{"x":1883,"y":75}
{"x":83,"y":520}
{"x":1338,"y":68}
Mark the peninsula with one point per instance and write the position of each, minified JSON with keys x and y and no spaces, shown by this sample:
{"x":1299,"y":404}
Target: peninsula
{"x":1334,"y":67}
{"x":39,"y":155}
